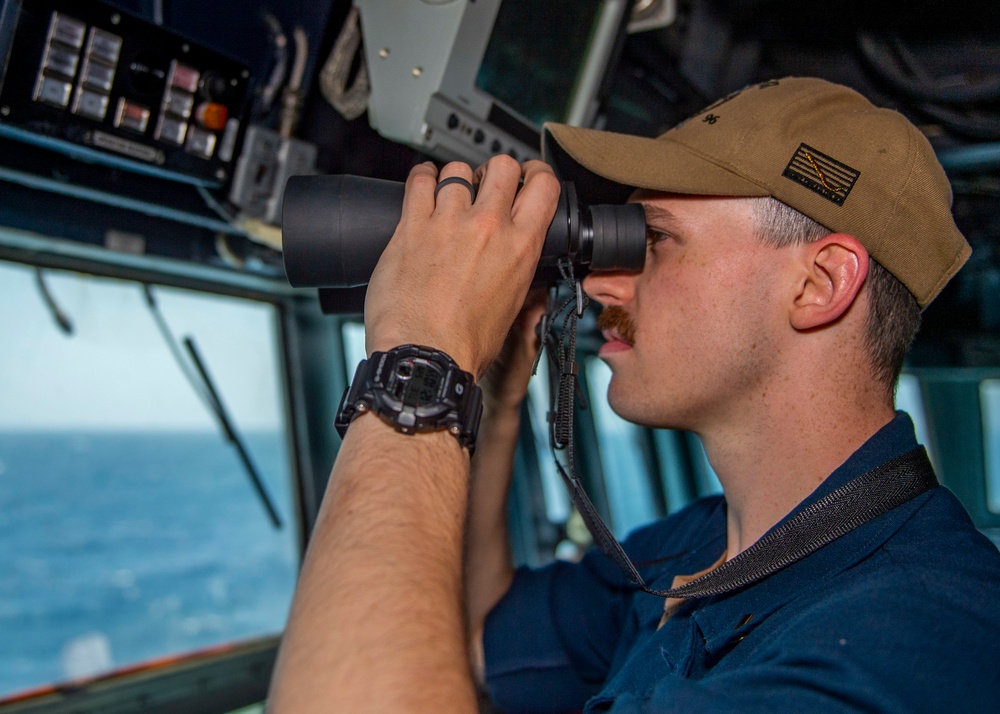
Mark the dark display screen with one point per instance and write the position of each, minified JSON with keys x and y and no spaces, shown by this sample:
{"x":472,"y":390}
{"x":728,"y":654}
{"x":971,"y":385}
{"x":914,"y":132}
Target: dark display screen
{"x":422,"y":386}
{"x":535,"y":54}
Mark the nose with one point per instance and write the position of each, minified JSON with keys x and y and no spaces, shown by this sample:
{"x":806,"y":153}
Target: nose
{"x":612,"y":287}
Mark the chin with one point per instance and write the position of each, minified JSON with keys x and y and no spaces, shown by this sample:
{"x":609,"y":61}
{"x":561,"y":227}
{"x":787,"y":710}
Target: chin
{"x":627,"y":406}
{"x":640,"y":409}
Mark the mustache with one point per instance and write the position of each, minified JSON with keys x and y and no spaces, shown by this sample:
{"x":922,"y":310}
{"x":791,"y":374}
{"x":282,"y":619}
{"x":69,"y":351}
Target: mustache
{"x":615,"y":318}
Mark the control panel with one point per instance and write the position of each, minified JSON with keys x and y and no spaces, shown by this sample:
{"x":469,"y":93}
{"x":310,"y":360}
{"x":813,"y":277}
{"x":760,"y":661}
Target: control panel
{"x":85,"y":78}
{"x":459,"y":134}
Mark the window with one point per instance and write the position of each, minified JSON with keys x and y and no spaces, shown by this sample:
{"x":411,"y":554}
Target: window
{"x":129,"y":529}
{"x":989,"y":396}
{"x":626,"y":477}
{"x":353,"y":334}
{"x":910,"y":399}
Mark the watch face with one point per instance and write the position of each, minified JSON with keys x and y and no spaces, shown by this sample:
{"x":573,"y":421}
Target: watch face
{"x":415,"y":389}
{"x":417,"y":382}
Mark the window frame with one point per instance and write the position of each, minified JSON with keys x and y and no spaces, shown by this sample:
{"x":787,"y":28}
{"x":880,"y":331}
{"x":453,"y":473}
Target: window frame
{"x":227,"y":677}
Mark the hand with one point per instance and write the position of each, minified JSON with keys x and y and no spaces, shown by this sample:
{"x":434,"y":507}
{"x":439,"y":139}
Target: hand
{"x":455,"y":272}
{"x":506,"y":380}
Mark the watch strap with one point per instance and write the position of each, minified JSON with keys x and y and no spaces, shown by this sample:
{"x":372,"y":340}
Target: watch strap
{"x":456,"y":408}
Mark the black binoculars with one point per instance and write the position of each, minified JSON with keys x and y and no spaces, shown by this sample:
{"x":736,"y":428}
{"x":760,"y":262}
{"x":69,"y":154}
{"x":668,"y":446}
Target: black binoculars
{"x":334,"y":228}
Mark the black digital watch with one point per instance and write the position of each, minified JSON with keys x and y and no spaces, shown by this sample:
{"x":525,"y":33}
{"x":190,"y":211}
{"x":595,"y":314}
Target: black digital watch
{"x":415,"y":389}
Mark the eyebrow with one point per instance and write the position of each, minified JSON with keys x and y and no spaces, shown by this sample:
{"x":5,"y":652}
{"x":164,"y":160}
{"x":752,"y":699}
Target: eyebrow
{"x":658,"y":214}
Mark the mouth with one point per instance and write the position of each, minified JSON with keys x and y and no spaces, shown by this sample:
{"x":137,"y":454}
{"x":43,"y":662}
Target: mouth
{"x":613,"y":336}
{"x":618,"y":330}
{"x":614,"y":342}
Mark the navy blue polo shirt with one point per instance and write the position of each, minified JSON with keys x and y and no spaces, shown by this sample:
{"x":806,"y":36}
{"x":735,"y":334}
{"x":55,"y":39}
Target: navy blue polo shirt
{"x":901,"y":614}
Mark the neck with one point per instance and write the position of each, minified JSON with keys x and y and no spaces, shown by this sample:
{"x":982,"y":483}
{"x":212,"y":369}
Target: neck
{"x":769,"y":463}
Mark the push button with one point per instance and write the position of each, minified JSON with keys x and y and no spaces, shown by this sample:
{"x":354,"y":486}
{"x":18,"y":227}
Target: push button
{"x":179,"y":103}
{"x":104,"y":46}
{"x":90,"y":104}
{"x":98,"y":76}
{"x":67,"y":31}
{"x":171,"y":130}
{"x":60,"y":61}
{"x":212,"y":115}
{"x":200,"y":143}
{"x":132,"y":116}
{"x":53,"y":91}
{"x":183,"y":77}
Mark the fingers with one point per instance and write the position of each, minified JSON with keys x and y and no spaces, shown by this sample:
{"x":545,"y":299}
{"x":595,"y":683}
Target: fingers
{"x":506,"y":382}
{"x":529,"y":190}
{"x":499,"y":180}
{"x":457,"y":181}
{"x":536,"y":202}
{"x":534,"y":307}
{"x":418,"y":194}
{"x":424,"y":194}
{"x":535,"y":304}
{"x":451,"y":196}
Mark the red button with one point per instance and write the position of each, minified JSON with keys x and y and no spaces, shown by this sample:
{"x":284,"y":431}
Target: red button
{"x":212,"y":115}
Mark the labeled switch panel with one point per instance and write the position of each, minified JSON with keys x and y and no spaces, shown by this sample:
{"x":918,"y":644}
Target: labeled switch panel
{"x":80,"y":73}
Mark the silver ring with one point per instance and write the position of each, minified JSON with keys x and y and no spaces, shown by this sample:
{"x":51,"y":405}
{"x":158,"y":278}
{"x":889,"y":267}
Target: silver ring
{"x":455,"y":179}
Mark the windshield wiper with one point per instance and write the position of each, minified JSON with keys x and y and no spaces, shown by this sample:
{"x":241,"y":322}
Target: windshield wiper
{"x":62,"y":319}
{"x":204,"y":387}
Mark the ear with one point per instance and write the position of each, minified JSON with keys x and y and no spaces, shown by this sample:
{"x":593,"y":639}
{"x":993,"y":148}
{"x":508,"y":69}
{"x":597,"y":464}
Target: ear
{"x":835,"y":268}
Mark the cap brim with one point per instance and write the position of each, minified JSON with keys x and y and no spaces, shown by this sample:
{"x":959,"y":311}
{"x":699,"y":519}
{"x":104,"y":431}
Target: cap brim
{"x":607,"y":167}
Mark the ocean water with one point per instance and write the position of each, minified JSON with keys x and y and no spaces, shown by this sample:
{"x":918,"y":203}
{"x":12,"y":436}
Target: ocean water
{"x":120,"y":547}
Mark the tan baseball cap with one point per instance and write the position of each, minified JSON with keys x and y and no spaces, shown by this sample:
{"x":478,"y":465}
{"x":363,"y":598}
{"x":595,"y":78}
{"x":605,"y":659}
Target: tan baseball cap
{"x":819,"y":147}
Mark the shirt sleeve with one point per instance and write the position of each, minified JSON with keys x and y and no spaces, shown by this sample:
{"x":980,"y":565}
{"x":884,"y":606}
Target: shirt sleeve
{"x":549,"y":641}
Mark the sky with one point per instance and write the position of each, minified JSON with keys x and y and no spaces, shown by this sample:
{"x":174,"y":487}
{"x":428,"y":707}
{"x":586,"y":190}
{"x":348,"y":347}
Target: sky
{"x":116,"y":372}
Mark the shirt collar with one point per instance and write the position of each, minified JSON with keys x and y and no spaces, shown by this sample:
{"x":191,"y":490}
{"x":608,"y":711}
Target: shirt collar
{"x":728,"y":617}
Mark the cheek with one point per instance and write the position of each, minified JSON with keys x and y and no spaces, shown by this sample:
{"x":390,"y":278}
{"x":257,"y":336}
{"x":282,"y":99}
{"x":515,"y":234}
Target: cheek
{"x":711,"y":306}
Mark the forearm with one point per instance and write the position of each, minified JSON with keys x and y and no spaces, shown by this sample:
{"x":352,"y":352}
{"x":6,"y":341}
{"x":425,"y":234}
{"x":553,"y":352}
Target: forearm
{"x":391,"y":527}
{"x":489,"y":568}
{"x":378,"y":622}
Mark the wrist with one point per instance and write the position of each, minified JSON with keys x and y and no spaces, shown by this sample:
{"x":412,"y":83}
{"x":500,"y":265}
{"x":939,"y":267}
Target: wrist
{"x":460,"y":357}
{"x":414,"y":389}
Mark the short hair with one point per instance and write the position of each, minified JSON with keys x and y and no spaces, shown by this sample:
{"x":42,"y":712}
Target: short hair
{"x":893,"y":312}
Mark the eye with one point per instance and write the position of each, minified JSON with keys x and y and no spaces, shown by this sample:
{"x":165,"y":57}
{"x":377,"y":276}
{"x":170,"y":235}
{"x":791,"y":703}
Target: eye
{"x":654,"y":236}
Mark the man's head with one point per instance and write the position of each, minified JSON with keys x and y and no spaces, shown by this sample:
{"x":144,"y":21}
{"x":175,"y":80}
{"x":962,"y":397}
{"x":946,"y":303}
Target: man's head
{"x":821,"y":148}
{"x":822,"y":160}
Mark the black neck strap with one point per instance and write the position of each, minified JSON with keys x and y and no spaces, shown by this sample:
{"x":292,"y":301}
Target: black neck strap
{"x":841,"y":511}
